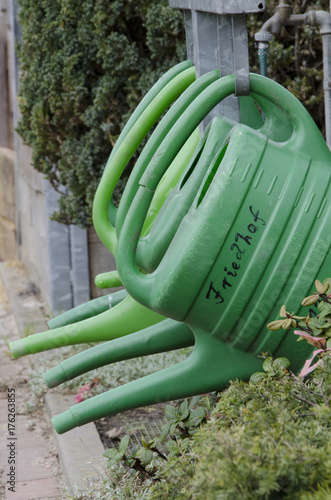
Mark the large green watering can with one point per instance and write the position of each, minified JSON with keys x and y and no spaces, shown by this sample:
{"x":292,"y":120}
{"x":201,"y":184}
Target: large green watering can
{"x":170,"y":335}
{"x":254,"y":237}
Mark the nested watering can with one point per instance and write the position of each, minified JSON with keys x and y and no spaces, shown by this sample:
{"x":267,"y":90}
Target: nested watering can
{"x":95,"y":321}
{"x":255,"y":237}
{"x":166,"y":335}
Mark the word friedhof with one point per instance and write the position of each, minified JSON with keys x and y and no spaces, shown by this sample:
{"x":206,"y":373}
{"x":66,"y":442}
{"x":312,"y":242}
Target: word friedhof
{"x":238,"y":247}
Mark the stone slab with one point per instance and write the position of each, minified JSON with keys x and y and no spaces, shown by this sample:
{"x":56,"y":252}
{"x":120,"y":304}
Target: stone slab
{"x":80,"y":450}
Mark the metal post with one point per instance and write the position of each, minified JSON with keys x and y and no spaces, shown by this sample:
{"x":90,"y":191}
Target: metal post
{"x":216,"y":37}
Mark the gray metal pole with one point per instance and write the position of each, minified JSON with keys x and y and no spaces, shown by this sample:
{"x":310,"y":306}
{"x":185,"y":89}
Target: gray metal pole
{"x":216,"y":38}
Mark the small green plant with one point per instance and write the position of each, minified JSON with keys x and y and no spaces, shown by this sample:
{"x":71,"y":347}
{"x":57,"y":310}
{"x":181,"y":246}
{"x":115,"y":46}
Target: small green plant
{"x":265,"y":439}
{"x":182,"y":423}
{"x":6,"y":351}
{"x":315,"y":328}
{"x":29,"y":329}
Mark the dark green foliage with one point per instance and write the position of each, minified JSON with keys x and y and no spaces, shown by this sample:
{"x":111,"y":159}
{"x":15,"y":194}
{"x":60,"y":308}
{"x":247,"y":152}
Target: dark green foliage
{"x":85,"y":66}
{"x":268,"y":439}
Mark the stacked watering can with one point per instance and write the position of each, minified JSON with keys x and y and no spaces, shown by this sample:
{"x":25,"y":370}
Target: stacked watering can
{"x":212,"y":236}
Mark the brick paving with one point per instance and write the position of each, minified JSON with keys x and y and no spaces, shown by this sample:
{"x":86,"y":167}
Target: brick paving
{"x":30,"y":446}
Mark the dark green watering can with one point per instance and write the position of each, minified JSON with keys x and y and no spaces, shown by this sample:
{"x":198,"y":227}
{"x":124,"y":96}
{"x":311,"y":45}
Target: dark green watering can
{"x":255,"y":236}
{"x":171,"y":335}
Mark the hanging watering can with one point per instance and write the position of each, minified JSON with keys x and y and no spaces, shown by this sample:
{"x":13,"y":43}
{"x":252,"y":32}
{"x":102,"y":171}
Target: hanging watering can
{"x":255,"y":237}
{"x":171,"y":335}
{"x":96,"y":322}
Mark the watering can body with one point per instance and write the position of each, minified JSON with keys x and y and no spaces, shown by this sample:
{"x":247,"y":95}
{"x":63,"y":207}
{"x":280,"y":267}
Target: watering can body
{"x":256,"y":236}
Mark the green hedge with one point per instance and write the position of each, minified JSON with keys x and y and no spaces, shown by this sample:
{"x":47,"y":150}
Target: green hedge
{"x":268,"y":440}
{"x":86,"y":64}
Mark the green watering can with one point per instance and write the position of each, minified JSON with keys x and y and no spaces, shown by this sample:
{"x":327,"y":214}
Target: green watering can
{"x":95,"y":321}
{"x":166,"y":335}
{"x":254,"y":237}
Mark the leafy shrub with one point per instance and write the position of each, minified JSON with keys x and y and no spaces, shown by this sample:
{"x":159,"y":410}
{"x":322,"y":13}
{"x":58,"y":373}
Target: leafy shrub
{"x":266,"y":439}
{"x":85,"y":65}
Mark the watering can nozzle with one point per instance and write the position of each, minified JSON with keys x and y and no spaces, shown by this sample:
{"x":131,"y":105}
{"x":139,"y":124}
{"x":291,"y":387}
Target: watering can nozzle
{"x":64,"y":422}
{"x":55,"y":376}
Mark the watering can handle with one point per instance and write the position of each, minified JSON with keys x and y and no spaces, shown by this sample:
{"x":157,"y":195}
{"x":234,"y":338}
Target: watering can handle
{"x":159,"y":98}
{"x":305,"y":132}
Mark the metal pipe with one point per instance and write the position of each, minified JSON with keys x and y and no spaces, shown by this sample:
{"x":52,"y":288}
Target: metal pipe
{"x":284,"y":11}
{"x":320,"y":18}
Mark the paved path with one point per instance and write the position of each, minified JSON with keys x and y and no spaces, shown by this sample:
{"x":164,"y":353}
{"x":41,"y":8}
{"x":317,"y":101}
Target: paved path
{"x":28,"y":456}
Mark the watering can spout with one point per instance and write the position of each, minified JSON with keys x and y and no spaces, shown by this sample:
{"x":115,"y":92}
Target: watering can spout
{"x":185,"y":379}
{"x":105,"y":326}
{"x":164,"y":336}
{"x":88,"y":309}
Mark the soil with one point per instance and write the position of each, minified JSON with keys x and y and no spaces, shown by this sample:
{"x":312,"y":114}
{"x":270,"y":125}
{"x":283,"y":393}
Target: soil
{"x":140,"y":423}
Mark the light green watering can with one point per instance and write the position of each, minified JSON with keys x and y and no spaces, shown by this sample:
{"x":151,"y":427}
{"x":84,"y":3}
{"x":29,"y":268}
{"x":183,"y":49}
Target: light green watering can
{"x":254,"y":237}
{"x":95,"y":321}
{"x":118,"y":314}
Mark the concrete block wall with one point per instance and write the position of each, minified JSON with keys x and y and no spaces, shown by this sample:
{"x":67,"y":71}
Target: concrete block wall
{"x":8,"y":240}
{"x":62,"y":261}
{"x":32,"y":220}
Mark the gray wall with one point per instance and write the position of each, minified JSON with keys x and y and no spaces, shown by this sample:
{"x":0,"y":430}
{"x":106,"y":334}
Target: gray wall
{"x":55,"y":255}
